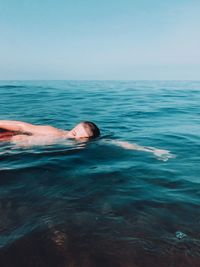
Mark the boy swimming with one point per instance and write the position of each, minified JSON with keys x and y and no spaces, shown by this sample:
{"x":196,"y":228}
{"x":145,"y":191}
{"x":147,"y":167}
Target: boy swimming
{"x":26,"y":134}
{"x":18,"y":130}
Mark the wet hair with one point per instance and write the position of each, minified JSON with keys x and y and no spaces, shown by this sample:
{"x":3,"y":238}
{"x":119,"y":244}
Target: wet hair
{"x":88,"y":125}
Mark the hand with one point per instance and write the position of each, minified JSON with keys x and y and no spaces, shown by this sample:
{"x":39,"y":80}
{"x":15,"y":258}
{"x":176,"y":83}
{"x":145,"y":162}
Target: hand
{"x":162,"y":154}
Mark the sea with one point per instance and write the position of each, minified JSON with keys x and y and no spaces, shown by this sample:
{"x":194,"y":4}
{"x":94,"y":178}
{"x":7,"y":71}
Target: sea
{"x":95,"y":203}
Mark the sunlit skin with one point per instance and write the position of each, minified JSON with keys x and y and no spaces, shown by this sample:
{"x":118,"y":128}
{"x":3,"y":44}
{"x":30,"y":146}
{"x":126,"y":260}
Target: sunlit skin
{"x":26,"y":135}
{"x":78,"y":132}
{"x":22,"y":132}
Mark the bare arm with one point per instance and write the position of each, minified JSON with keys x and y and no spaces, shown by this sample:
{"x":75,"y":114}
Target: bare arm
{"x":23,"y":127}
{"x":160,"y":153}
{"x":16,"y":126}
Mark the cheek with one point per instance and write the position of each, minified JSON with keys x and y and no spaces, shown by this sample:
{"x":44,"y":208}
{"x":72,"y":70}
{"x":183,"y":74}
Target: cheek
{"x":81,"y":133}
{"x":78,"y":133}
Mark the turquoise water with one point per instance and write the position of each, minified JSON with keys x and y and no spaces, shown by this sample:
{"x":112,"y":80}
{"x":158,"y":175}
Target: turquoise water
{"x":97,"y":204}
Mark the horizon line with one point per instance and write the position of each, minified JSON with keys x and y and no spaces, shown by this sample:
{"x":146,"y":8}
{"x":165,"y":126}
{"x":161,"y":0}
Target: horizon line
{"x":197,"y":80}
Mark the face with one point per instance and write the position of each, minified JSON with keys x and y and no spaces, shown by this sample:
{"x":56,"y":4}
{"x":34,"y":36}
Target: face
{"x":79,"y":132}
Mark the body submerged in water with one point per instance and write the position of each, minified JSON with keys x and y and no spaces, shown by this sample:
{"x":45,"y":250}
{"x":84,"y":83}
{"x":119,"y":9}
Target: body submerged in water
{"x":21,"y":132}
{"x":25,"y":135}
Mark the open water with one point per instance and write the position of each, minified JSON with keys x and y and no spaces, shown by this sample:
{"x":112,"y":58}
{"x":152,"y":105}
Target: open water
{"x":97,"y":204}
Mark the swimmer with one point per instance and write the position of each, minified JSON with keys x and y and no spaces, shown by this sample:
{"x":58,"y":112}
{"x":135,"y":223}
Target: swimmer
{"x":26,"y":134}
{"x":18,"y":131}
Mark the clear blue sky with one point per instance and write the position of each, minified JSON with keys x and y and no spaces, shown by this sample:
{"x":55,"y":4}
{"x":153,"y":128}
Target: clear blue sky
{"x":104,"y":39}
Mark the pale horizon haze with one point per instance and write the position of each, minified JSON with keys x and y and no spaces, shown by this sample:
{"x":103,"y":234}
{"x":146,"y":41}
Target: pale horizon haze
{"x":99,"y":40}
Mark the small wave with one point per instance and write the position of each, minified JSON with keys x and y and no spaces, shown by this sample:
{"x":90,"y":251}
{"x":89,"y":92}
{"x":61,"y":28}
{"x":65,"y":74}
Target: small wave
{"x":11,"y":86}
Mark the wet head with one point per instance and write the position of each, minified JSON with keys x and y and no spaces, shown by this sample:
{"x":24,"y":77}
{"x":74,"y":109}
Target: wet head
{"x":85,"y":129}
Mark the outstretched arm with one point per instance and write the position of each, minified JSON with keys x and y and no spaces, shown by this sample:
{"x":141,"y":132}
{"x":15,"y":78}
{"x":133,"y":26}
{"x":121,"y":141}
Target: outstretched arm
{"x":160,"y":153}
{"x":23,"y":127}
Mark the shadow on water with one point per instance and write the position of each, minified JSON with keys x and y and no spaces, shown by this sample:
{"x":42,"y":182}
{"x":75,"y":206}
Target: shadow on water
{"x":55,"y":215}
{"x":85,"y":241}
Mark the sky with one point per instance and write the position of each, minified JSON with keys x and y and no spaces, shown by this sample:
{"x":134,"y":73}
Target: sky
{"x":100,"y":40}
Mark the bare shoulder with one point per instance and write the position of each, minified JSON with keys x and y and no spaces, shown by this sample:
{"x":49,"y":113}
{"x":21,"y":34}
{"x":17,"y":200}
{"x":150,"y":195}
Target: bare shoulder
{"x":47,"y":130}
